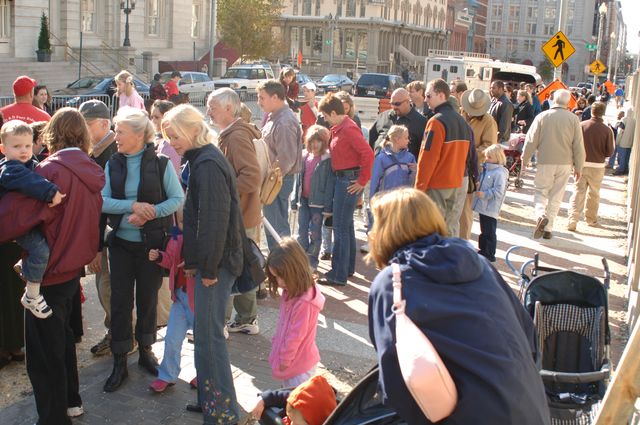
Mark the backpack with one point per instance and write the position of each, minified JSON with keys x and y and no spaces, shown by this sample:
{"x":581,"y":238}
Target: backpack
{"x":271,"y":173}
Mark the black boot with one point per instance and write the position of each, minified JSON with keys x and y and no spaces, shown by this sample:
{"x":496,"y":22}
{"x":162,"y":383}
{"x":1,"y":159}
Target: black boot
{"x":148,"y":360}
{"x":119,"y":373}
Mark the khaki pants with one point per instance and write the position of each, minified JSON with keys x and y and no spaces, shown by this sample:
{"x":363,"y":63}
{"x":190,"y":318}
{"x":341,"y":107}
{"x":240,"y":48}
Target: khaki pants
{"x":246,"y":305}
{"x":446,"y":200}
{"x":587,"y":187}
{"x":466,"y":218}
{"x":550,"y":182}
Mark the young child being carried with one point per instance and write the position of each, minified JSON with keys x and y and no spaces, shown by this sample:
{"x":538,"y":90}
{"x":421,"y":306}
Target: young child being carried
{"x":489,"y":197}
{"x":181,"y":313}
{"x":314,"y":192}
{"x":17,"y":174}
{"x":294,"y":353}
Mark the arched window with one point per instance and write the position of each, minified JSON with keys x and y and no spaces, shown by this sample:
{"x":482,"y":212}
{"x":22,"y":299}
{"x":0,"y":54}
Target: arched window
{"x":427,"y":16}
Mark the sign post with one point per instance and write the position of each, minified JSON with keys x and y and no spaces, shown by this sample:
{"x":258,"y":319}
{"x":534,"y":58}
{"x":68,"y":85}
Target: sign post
{"x":558,"y":49}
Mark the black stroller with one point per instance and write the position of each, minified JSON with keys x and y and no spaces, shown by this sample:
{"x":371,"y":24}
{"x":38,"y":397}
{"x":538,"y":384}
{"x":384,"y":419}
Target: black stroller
{"x":570,"y":312}
{"x":361,"y":406}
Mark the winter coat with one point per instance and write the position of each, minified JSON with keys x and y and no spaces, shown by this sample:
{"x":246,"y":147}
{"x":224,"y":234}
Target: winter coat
{"x":524,"y":112}
{"x":391,"y":170}
{"x":236,"y":143}
{"x":294,"y":343}
{"x":485,"y":134}
{"x":20,"y":177}
{"x":71,"y":227}
{"x":322,"y":184}
{"x":170,"y":259}
{"x":213,"y":228}
{"x":484,"y":336}
{"x":493,"y":183}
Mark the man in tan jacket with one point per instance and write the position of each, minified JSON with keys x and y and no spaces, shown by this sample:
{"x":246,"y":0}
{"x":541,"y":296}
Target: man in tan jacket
{"x":556,"y":136}
{"x":236,"y":143}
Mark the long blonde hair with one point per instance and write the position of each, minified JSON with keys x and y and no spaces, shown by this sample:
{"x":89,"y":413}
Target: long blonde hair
{"x":184,"y":118}
{"x":495,"y":153}
{"x":289,"y":262}
{"x":400,"y":217}
{"x":127,"y":79}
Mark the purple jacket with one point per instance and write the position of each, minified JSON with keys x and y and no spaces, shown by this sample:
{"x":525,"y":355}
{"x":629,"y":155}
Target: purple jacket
{"x":294,"y":343}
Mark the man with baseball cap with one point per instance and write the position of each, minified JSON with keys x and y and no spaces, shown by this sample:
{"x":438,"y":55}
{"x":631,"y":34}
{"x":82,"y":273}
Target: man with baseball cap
{"x":98,"y":119}
{"x":22,"y":109}
{"x":309,"y":109}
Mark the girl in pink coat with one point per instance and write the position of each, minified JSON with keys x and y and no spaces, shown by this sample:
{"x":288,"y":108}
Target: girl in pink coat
{"x":294,"y":353}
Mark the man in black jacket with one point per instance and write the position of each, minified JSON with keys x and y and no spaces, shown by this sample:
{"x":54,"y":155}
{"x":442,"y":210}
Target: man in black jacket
{"x":501,"y":110}
{"x":402,"y":113}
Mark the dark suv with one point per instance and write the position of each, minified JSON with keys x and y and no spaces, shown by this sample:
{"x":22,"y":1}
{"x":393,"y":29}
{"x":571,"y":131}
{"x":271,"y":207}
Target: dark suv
{"x":378,"y":85}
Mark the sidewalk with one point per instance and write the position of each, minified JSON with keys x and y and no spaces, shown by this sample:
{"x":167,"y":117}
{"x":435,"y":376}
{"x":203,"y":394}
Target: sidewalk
{"x":343,"y":332}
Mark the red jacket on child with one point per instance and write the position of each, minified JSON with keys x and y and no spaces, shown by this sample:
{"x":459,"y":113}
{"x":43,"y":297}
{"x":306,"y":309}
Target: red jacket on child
{"x":171,"y":258}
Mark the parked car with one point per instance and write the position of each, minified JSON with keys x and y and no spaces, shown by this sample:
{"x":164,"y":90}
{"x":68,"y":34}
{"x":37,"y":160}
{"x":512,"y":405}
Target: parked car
{"x":197,"y":85}
{"x":94,"y":87}
{"x":302,"y":78}
{"x":334,"y":83}
{"x":246,"y":76}
{"x":377,"y":85}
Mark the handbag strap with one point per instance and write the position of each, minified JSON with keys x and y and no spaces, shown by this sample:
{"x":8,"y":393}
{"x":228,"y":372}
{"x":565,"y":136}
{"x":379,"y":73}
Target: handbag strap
{"x":398,"y":302}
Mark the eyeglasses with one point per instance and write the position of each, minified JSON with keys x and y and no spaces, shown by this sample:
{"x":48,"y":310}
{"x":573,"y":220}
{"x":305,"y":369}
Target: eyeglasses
{"x":396,"y":104}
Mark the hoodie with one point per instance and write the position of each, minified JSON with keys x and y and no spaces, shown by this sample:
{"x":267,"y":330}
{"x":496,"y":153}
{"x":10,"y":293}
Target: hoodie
{"x":484,"y":336}
{"x":71,"y":227}
{"x":236,"y":143}
{"x":294,"y":343}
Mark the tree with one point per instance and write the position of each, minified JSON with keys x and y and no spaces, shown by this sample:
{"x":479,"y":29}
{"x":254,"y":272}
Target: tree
{"x":43,"y":39}
{"x":245,"y":25}
{"x":545,"y":69}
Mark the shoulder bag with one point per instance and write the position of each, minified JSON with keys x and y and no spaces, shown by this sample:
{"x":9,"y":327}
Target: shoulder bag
{"x":423,"y":371}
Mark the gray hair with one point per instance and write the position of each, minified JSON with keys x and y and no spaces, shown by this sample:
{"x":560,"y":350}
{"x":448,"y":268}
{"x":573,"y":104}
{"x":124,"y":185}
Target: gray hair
{"x":561,"y":97}
{"x":138,"y":120}
{"x":226,"y":96}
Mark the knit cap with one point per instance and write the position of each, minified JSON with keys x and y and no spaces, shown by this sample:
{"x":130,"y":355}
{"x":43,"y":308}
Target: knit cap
{"x":314,"y":399}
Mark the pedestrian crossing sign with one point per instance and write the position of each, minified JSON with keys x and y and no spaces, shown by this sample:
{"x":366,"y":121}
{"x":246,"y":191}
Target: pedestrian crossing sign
{"x":558,"y":49}
{"x":597,"y":67}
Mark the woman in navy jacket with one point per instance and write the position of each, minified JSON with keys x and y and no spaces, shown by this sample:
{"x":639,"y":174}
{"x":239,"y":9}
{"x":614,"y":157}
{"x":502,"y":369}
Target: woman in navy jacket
{"x":482,"y":333}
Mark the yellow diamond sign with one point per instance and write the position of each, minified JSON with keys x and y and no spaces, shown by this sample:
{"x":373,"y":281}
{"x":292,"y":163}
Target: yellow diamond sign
{"x":597,"y":67}
{"x":558,"y":49}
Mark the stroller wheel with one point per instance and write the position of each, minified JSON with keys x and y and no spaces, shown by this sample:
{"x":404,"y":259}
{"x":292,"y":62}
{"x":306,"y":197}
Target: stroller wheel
{"x":519,"y":183}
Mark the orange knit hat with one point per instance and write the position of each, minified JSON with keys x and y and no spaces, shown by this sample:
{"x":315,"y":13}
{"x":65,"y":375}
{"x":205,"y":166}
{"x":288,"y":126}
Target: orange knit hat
{"x":315,"y":399}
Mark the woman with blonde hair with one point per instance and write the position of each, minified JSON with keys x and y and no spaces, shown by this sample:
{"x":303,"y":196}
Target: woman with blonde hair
{"x":126,"y":91}
{"x":140,"y":196}
{"x":484,"y":336}
{"x":213,"y":253}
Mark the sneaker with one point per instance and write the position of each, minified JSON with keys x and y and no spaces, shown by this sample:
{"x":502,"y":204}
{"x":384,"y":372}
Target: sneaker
{"x":572,"y":227}
{"x":103,"y":347}
{"x":38,"y":306}
{"x":250,"y":328}
{"x":159,"y":385}
{"x":546,"y":235}
{"x":540,"y":225}
{"x":74,"y":412}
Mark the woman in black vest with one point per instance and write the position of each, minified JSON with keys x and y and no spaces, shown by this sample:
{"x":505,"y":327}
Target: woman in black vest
{"x":140,"y":195}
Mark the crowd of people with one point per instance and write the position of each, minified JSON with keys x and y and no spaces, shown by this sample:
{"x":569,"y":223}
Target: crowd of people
{"x":155,"y":187}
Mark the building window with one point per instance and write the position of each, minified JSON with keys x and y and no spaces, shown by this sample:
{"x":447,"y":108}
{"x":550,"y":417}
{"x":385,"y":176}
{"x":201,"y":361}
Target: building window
{"x":497,"y":43}
{"x":549,"y":13}
{"x":306,"y":7}
{"x":295,"y":7}
{"x":196,"y":11}
{"x":514,"y":11}
{"x":496,"y":10}
{"x":548,"y":29}
{"x":153,"y":17}
{"x":317,"y":7}
{"x":351,"y":8}
{"x":295,"y":41}
{"x":5,"y":19}
{"x":363,"y":8}
{"x":532,"y":28}
{"x":496,"y":26}
{"x":512,"y":45}
{"x":532,"y":12}
{"x":514,"y":27}
{"x":88,"y":15}
{"x":339,"y":10}
{"x":529,"y":45}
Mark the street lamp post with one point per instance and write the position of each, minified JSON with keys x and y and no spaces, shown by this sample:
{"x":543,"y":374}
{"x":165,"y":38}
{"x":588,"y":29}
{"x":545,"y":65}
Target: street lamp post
{"x":603,"y":12}
{"x":612,"y":41}
{"x":332,"y":25}
{"x":127,"y":6}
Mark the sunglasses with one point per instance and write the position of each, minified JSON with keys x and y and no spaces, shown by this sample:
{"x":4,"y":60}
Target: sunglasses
{"x":396,"y":104}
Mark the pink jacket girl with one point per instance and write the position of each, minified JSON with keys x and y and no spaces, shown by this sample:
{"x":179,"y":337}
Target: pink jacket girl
{"x":294,"y":353}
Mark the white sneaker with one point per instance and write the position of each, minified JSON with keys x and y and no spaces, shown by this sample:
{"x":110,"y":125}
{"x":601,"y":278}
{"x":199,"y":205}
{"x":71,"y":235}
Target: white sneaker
{"x":251,"y":328}
{"x":225,"y":331}
{"x":38,"y":306}
{"x":74,"y":412}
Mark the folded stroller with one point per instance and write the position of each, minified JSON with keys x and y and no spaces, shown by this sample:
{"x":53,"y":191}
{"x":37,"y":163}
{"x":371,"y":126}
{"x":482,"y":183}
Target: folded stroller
{"x":570,"y":313}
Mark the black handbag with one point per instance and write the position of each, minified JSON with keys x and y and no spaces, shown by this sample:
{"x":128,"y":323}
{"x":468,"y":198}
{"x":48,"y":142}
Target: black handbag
{"x":253,"y":273}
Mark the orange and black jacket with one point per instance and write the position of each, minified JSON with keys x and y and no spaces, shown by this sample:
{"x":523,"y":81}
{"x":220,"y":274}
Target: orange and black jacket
{"x":445,"y":146}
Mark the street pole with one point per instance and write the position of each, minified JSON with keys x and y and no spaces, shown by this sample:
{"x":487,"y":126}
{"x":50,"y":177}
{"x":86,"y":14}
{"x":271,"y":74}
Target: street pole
{"x":127,"y":7}
{"x":602,"y":12}
{"x":612,"y":40}
{"x":212,"y":34}
{"x":557,"y":72}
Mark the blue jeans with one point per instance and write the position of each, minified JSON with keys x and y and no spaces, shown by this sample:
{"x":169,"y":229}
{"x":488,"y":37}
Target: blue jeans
{"x":216,"y":392}
{"x":180,"y":320}
{"x":612,"y":158}
{"x":310,"y":230}
{"x":277,"y":213}
{"x":34,"y":266}
{"x":623,"y":160}
{"x":327,"y":239}
{"x":343,"y":259}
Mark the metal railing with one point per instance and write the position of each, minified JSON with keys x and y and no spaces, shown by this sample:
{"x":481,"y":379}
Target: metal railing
{"x":88,"y":66}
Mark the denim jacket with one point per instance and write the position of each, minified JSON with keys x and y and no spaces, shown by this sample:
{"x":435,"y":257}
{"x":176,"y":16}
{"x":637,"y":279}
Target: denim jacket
{"x":322,"y":184}
{"x":493,"y":182}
